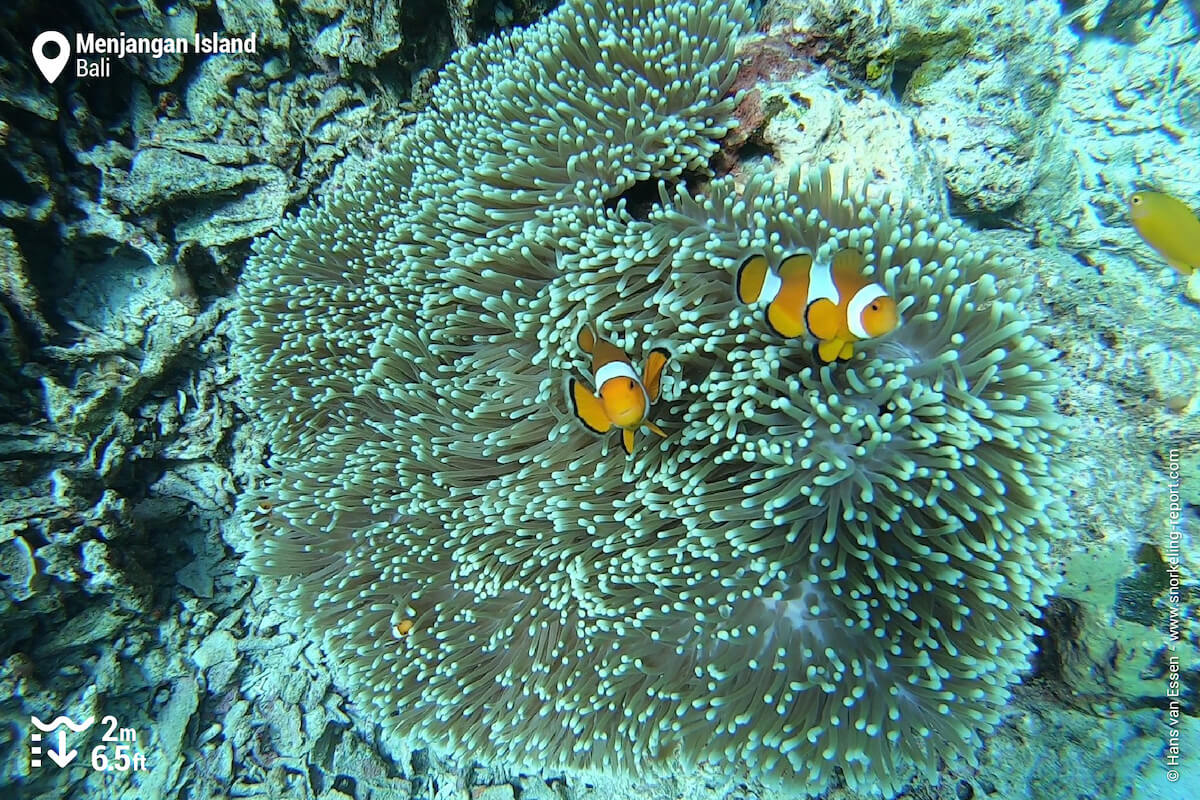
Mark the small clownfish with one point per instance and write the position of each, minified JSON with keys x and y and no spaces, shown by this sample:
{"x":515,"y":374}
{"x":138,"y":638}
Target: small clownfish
{"x":621,"y":399}
{"x":260,"y":520}
{"x":1169,"y":227}
{"x":832,"y":301}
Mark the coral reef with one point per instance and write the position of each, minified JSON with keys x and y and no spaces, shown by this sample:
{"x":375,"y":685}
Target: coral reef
{"x":999,"y":69}
{"x":122,"y":443}
{"x":804,"y":118}
{"x":1127,"y":118}
{"x":822,"y":567}
{"x":978,"y":81}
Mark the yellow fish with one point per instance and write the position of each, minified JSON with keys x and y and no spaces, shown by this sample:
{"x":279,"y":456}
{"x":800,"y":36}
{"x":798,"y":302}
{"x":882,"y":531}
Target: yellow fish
{"x":1169,"y":227}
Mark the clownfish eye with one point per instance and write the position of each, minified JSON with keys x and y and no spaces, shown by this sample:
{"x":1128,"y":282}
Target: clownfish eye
{"x":631,"y":384}
{"x":874,"y":306}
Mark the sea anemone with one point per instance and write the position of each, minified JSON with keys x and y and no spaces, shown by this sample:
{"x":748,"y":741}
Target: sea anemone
{"x":822,"y":566}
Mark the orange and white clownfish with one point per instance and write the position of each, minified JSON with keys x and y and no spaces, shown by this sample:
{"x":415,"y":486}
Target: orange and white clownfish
{"x":833,"y":301}
{"x":621,"y":399}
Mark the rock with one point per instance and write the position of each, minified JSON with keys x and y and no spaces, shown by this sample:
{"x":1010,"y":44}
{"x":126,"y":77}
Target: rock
{"x":218,"y":657}
{"x":243,"y":218}
{"x":237,"y":723}
{"x":1127,"y":117}
{"x":978,"y":79}
{"x":1192,"y":287}
{"x":283,"y":718}
{"x":260,"y":17}
{"x":315,"y":692}
{"x":1189,"y":471}
{"x":534,"y":787}
{"x":807,"y":119}
{"x":362,"y":34}
{"x":95,"y":623}
{"x":205,"y":484}
{"x":20,"y":291}
{"x":97,"y":561}
{"x":853,"y":37}
{"x":981,"y":81}
{"x":158,"y":176}
{"x":1106,"y":652}
{"x":196,"y":577}
{"x":353,"y":756}
{"x":18,"y":569}
{"x":170,"y":729}
{"x":223,"y":763}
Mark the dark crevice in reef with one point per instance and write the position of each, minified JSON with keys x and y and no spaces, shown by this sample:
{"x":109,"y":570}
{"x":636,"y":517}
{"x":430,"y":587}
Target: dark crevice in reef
{"x":902,"y":72}
{"x":755,"y":148}
{"x":80,"y":103}
{"x":208,"y":278}
{"x":425,"y":26}
{"x":489,"y":17}
{"x":424,"y":785}
{"x":55,"y":274}
{"x":1189,"y":680}
{"x":1062,"y":642}
{"x":1002,"y":219}
{"x":1061,"y":655}
{"x":15,"y":186}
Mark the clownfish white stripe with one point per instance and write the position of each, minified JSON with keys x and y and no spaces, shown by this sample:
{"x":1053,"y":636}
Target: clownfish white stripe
{"x":615,"y":369}
{"x":854,"y":311}
{"x":821,"y":285}
{"x":770,"y":287}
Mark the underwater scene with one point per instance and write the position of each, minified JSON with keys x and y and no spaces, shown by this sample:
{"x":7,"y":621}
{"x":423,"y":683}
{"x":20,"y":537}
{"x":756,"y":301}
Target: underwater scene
{"x":600,"y":400}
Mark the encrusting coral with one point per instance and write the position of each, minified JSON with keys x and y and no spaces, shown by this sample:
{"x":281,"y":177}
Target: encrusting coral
{"x":821,"y":566}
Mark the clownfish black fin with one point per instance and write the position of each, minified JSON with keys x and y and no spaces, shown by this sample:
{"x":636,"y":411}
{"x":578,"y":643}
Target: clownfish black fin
{"x":750,"y":278}
{"x":652,"y":375}
{"x":627,"y":441}
{"x":587,"y":339}
{"x":795,"y":266}
{"x":821,"y":318}
{"x":588,"y":409}
{"x":830,"y":350}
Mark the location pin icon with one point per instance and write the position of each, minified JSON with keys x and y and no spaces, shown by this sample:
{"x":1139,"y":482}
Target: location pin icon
{"x":51,"y":67}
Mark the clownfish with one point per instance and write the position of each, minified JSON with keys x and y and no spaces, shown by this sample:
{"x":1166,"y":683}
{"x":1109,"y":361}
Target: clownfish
{"x":1169,"y":226}
{"x":833,"y":301}
{"x":621,"y":399}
